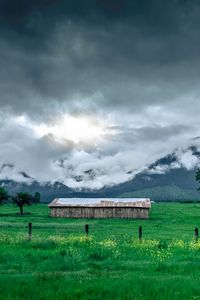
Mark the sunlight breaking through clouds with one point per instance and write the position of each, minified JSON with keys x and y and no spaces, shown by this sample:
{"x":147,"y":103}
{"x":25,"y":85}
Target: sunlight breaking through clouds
{"x":77,"y":129}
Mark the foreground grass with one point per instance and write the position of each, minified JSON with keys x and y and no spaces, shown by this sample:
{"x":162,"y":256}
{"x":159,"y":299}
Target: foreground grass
{"x":62,"y":263}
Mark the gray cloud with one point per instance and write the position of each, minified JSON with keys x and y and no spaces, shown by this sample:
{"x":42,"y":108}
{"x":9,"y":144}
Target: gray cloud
{"x":143,"y":54}
{"x":115,"y":159}
{"x":134,"y":64}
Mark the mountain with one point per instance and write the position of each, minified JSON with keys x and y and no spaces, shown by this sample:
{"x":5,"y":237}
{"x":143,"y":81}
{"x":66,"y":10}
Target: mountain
{"x":48,"y":191}
{"x":165,"y":180}
{"x":175,"y":185}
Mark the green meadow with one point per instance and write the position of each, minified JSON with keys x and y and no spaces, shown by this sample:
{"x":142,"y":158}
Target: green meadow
{"x":61,"y":262}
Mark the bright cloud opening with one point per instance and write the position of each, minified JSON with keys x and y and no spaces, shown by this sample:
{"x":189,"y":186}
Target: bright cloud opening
{"x":72,"y":128}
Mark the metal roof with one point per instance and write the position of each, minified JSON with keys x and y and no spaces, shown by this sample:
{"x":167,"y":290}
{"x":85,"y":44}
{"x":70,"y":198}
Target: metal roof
{"x":101,"y":202}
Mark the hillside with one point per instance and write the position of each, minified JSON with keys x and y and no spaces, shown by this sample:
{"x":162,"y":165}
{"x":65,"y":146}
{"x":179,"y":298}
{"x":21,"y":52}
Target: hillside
{"x":161,"y":181}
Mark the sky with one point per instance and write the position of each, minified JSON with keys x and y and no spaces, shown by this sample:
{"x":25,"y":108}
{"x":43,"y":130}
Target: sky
{"x":93,"y":92}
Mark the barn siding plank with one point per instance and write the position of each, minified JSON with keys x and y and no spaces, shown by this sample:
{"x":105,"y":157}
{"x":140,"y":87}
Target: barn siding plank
{"x":100,"y":212}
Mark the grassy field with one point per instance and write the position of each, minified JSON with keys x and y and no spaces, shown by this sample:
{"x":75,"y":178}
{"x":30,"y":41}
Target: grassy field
{"x":60,"y":262}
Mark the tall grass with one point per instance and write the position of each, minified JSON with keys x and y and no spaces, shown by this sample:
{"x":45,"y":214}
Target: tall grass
{"x":61,"y":262}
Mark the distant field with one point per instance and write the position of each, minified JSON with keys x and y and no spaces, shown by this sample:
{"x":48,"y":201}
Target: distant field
{"x":62,"y":263}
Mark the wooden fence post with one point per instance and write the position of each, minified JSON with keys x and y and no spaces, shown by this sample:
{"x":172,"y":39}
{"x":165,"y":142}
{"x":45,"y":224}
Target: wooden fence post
{"x":140,"y":233}
{"x":196,"y":233}
{"x":86,"y":229}
{"x":29,"y":231}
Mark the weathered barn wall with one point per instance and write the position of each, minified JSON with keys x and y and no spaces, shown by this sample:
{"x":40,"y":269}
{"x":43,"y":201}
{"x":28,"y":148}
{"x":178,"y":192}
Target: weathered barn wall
{"x":100,"y":212}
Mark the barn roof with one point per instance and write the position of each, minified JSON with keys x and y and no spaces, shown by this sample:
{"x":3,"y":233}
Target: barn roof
{"x":101,"y":202}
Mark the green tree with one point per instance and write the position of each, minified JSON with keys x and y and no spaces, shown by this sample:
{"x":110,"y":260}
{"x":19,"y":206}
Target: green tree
{"x":37,"y":197}
{"x":21,"y":199}
{"x":197,"y":176}
{"x":3,"y":195}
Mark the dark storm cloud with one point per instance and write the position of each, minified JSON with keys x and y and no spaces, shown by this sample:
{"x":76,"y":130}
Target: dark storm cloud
{"x":146,"y":12}
{"x":133,"y":64}
{"x":133,"y":52}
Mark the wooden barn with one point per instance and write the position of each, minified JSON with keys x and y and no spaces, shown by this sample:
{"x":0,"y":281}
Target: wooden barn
{"x":133,"y":208}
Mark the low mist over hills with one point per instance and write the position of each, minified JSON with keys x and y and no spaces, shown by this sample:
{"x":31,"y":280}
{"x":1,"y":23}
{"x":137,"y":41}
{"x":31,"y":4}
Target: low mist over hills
{"x":167,"y":179}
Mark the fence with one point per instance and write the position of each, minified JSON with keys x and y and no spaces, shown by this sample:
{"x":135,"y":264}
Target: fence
{"x":86,"y":230}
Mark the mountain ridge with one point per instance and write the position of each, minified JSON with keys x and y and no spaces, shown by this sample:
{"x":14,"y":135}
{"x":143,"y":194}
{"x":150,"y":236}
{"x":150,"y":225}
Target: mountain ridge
{"x":165,"y":180}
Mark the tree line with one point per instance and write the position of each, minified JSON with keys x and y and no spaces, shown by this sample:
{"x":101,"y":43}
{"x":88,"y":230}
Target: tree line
{"x":19,"y":199}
